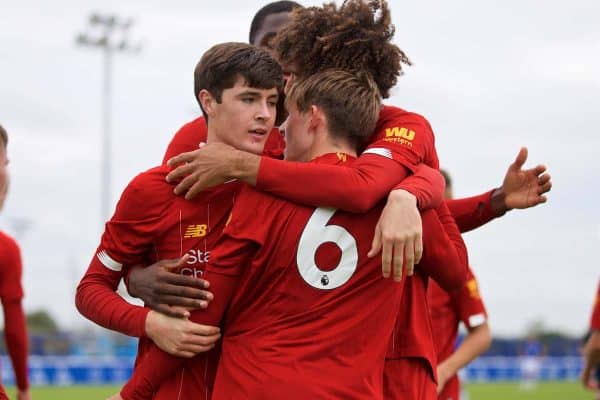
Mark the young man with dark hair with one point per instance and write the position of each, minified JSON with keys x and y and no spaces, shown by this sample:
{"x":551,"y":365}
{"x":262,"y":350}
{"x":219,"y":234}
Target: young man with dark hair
{"x":448,"y":309}
{"x":266,"y":23}
{"x":297,"y":326}
{"x":11,"y":290}
{"x":238,"y":87}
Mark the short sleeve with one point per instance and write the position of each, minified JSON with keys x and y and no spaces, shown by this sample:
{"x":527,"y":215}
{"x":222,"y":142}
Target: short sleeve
{"x":469,"y":303}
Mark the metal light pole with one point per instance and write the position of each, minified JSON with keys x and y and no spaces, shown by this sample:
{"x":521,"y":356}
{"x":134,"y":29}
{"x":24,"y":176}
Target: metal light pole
{"x":108,"y":33}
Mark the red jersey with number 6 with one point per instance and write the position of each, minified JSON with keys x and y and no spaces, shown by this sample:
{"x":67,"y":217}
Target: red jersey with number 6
{"x":309,"y":315}
{"x":312,"y":316}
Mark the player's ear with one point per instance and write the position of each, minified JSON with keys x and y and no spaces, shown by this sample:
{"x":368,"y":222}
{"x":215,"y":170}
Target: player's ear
{"x":317,"y":118}
{"x":208,"y":102}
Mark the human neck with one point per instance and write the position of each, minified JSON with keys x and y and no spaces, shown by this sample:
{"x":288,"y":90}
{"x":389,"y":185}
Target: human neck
{"x":212,"y":135}
{"x":326,"y":143}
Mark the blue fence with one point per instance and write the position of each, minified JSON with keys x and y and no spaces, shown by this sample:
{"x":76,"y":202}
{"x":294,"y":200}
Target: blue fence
{"x":97,"y":370}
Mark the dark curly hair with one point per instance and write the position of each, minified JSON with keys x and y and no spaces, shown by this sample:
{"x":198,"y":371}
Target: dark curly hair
{"x":354,"y":37}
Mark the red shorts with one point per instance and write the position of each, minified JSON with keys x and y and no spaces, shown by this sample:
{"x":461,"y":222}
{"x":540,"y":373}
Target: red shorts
{"x":408,"y":379}
{"x":451,"y":390}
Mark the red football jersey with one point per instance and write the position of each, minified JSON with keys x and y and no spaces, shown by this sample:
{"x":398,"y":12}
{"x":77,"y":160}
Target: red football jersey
{"x":189,"y":136}
{"x":404,"y":136}
{"x":151,"y":224}
{"x":11,"y":294}
{"x":285,"y":325}
{"x":448,"y":309}
{"x":3,"y":395}
{"x":595,"y":320}
{"x":402,"y":141}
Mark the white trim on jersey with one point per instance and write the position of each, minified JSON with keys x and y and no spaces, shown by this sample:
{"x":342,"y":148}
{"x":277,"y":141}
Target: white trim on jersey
{"x":108,"y":262}
{"x":476,"y":320}
{"x":380,"y":151}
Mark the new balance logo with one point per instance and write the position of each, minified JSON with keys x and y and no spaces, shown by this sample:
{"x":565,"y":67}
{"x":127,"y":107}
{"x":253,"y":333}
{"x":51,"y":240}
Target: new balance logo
{"x":195,"y":231}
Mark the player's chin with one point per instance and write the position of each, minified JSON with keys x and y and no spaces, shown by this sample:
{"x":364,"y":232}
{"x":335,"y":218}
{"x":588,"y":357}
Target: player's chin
{"x":254,"y":146}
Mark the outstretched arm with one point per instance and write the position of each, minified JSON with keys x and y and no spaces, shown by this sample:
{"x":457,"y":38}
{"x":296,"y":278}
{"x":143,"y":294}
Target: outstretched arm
{"x":521,"y":189}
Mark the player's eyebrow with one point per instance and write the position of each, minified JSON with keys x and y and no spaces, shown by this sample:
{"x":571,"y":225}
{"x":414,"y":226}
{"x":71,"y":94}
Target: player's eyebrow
{"x":249,"y":92}
{"x":256,"y":93}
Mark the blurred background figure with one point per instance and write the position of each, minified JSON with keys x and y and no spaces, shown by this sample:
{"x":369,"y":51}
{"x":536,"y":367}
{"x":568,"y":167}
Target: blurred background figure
{"x":11,"y":291}
{"x":531,"y":362}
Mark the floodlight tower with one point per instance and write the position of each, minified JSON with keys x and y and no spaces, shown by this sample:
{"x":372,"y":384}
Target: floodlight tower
{"x":109,"y":33}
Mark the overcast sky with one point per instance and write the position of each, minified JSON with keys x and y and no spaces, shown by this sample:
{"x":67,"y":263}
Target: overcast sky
{"x":490,"y":76}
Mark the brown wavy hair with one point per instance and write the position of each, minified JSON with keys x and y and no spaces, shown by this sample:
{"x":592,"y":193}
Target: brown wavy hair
{"x":350,"y":102}
{"x":355,"y":36}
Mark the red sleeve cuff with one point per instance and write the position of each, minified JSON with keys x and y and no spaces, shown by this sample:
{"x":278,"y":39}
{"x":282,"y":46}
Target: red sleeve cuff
{"x":472,"y":212}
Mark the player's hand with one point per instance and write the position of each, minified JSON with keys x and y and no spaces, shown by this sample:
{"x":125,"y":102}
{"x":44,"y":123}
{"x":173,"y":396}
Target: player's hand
{"x":166,"y":291}
{"x":591,"y":354}
{"x":115,"y":397}
{"x":23,"y":394}
{"x":200,"y":169}
{"x":180,"y":336}
{"x":443,"y":376}
{"x":524,"y":188}
{"x":398,"y":235}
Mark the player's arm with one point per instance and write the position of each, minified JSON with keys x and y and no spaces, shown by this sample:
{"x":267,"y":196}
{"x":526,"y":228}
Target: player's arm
{"x":127,"y":239}
{"x":15,"y":329}
{"x":469,"y":306}
{"x":476,"y":342}
{"x":445,"y":257}
{"x":15,"y":334}
{"x":398,"y":146}
{"x":356,"y":188}
{"x":165,"y":291}
{"x":521,"y":188}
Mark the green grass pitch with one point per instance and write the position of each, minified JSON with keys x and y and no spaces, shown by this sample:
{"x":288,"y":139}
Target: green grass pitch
{"x":483,"y":391}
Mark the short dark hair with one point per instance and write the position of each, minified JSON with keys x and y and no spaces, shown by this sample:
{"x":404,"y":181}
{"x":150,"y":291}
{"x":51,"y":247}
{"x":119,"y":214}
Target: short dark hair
{"x":223,"y":64}
{"x":271,"y":8}
{"x":350,"y":101}
{"x":356,"y":36}
{"x":3,"y":137}
{"x":447,"y":178}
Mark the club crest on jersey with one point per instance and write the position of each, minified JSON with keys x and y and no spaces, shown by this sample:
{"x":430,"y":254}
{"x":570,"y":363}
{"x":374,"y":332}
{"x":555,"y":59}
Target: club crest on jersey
{"x":195,"y":231}
{"x":325,"y":280}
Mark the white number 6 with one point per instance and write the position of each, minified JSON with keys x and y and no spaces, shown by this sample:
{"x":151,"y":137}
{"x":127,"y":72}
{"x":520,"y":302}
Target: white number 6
{"x":316,"y":233}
